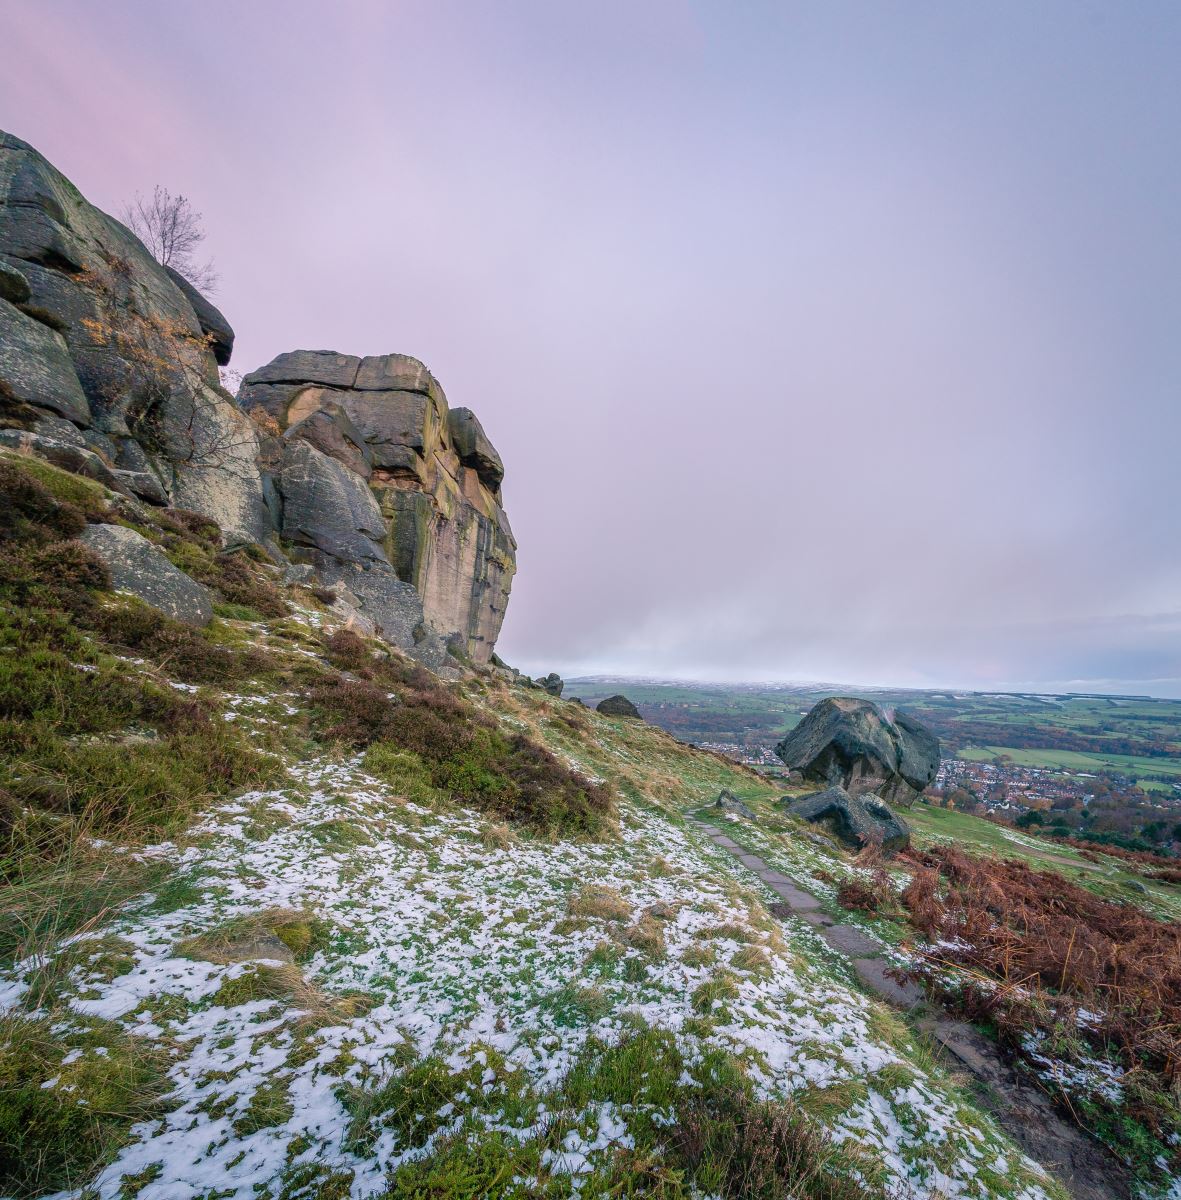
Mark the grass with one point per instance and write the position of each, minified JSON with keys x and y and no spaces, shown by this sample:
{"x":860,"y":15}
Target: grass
{"x":1074,"y":760}
{"x":1023,"y":953}
{"x":698,"y":1129}
{"x":393,"y":709}
{"x":104,"y":751}
{"x":1107,"y":875}
{"x":301,"y":932}
{"x":68,"y":1101}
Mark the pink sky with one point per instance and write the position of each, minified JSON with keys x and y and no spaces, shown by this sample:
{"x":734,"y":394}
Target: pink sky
{"x":820,"y":341}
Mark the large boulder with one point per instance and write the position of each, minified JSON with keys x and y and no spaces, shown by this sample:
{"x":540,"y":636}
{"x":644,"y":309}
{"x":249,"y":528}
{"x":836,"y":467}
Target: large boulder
{"x":140,"y":568}
{"x":618,"y":706}
{"x":433,"y":474}
{"x":328,"y":508}
{"x":855,"y":744}
{"x":857,"y":821}
{"x":136,"y":346}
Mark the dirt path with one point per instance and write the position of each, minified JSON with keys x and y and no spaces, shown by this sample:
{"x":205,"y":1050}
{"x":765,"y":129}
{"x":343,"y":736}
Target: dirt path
{"x":1026,"y":1114}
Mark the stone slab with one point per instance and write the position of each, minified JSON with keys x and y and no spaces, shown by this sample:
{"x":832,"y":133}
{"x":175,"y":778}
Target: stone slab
{"x":872,"y":973}
{"x":815,"y":917}
{"x":852,"y":941}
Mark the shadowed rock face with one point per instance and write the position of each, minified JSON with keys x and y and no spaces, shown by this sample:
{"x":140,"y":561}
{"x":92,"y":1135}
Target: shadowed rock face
{"x":852,"y":743}
{"x":100,"y":335}
{"x":395,"y":449}
{"x":857,"y":820}
{"x":618,"y":706}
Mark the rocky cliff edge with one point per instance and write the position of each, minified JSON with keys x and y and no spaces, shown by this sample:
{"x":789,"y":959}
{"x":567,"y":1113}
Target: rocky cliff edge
{"x":353,"y":470}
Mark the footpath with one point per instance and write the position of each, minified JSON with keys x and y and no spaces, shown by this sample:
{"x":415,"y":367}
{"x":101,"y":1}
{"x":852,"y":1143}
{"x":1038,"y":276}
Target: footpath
{"x":1085,"y":1168}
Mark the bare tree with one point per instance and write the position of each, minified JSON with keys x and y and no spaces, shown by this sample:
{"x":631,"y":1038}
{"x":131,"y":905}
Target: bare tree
{"x":171,"y":229}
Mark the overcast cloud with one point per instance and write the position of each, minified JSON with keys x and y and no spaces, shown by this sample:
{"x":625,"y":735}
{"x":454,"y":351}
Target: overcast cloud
{"x":828,"y":341}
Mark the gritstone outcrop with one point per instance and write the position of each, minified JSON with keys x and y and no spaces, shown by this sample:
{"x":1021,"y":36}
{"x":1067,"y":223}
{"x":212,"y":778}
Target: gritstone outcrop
{"x":109,"y":368}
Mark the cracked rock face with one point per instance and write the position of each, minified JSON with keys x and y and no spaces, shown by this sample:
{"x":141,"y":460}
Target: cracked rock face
{"x":94,"y":331}
{"x":366,"y":436}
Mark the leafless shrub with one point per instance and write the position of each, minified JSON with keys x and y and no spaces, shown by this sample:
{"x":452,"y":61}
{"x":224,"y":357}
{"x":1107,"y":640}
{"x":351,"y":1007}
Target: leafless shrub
{"x":171,"y":229}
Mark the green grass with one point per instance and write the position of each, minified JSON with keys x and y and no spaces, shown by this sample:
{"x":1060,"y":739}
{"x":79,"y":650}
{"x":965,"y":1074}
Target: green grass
{"x":1109,"y":877}
{"x":53,"y":1138}
{"x":1074,"y":760}
{"x":697,"y":1128}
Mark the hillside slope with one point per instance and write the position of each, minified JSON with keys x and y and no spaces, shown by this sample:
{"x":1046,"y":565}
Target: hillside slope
{"x":284,"y":916}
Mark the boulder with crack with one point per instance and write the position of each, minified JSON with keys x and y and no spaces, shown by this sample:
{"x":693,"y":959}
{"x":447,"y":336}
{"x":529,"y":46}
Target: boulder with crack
{"x":855,"y":744}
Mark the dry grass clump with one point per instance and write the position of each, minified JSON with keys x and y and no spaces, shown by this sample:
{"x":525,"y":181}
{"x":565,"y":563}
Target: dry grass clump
{"x":599,"y":902}
{"x":1028,"y":950}
{"x":739,"y":1146}
{"x":301,"y":933}
{"x":647,"y":935}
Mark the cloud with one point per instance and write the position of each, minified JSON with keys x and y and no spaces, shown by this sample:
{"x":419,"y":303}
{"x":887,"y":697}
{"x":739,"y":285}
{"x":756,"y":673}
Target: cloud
{"x":814,"y":345}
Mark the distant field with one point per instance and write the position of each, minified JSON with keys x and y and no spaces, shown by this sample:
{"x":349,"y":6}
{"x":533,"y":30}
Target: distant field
{"x":1075,"y":760}
{"x":1074,"y":733}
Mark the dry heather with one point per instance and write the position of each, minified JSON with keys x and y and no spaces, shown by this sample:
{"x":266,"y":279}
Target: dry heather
{"x":1087,"y":992}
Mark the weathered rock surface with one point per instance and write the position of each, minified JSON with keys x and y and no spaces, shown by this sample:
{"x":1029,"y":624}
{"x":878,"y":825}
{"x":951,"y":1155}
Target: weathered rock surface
{"x":328,"y":508}
{"x":14,"y":287}
{"x":854,"y":744}
{"x":140,"y":568}
{"x":35,"y":367}
{"x":729,"y":802}
{"x":214,"y":326}
{"x":857,"y":820}
{"x":141,"y":372}
{"x":108,"y":367}
{"x":551,"y":683}
{"x":618,"y":706}
{"x":432,"y":473}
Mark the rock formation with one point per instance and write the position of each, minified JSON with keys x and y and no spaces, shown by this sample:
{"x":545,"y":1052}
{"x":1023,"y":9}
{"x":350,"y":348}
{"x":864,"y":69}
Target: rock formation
{"x":854,"y":744}
{"x":618,"y":706}
{"x":856,"y":820}
{"x":101,"y":349}
{"x":380,"y":483}
{"x":358,"y":468}
{"x":551,"y":683}
{"x":729,"y":802}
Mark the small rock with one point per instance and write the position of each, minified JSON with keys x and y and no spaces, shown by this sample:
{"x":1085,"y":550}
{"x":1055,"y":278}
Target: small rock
{"x":856,"y":820}
{"x":729,"y":802}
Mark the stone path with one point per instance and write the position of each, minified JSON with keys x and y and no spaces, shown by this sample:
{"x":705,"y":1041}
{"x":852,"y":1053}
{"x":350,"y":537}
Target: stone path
{"x":1088,"y":1171}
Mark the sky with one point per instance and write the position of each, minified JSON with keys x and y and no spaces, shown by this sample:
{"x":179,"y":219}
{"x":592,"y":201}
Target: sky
{"x":831,"y":341}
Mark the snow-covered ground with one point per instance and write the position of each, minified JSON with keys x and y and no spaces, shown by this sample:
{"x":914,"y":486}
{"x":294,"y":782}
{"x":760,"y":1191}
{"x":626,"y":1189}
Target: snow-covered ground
{"x":440,"y":936}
